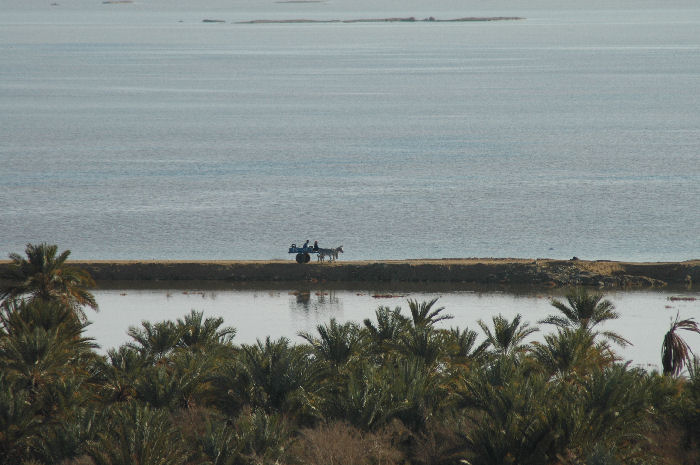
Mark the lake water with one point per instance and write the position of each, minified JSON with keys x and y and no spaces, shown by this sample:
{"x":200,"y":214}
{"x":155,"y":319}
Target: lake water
{"x":135,"y":130}
{"x":645,"y":316}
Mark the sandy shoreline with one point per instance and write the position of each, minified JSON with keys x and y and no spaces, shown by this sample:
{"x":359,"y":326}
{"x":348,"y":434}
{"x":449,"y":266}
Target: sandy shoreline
{"x":545,"y":273}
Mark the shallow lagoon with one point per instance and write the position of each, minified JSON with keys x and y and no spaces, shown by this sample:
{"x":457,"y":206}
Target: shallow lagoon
{"x":257,"y":313}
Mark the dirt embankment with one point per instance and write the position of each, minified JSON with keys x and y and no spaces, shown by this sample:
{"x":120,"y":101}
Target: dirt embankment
{"x":520,"y":272}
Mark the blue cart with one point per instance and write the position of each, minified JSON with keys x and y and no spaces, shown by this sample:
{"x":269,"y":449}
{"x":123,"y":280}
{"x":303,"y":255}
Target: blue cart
{"x":303,"y":253}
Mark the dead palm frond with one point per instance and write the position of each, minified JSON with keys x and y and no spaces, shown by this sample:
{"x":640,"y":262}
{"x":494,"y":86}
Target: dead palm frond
{"x":675,"y":352}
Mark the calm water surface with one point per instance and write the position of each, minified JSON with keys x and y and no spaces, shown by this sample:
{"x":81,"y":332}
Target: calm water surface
{"x":645,"y":315}
{"x":138,"y":131}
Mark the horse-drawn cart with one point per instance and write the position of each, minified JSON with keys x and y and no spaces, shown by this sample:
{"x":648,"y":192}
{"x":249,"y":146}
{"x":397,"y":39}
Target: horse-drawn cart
{"x":303,"y":253}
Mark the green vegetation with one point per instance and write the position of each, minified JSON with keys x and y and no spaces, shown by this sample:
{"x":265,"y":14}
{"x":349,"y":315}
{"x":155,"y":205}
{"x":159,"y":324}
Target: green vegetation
{"x":395,"y":389}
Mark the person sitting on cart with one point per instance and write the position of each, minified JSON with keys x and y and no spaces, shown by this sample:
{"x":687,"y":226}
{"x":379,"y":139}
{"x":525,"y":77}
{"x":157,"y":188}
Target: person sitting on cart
{"x":306,"y":244}
{"x":315,"y":249}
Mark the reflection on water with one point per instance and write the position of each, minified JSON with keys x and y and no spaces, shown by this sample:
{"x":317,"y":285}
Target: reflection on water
{"x":257,"y":313}
{"x":317,"y":303}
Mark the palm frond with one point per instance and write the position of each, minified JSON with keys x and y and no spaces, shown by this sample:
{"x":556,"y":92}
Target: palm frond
{"x":423,"y":313}
{"x":675,"y":352}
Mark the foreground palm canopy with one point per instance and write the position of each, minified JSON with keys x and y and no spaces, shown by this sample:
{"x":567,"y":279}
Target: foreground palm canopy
{"x":401,"y":388}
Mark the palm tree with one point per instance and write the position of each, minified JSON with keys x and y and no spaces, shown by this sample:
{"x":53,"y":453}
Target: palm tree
{"x":687,"y":408}
{"x":158,"y":387}
{"x":675,"y":352}
{"x":418,"y":389}
{"x":461,"y":344}
{"x":230,"y":387}
{"x":613,"y":408}
{"x":199,"y":334}
{"x":20,"y":315}
{"x":118,"y":373}
{"x":585,"y":311}
{"x":254,"y":438}
{"x":156,"y":341}
{"x":37,"y":353}
{"x":277,"y":373}
{"x":374,"y":394}
{"x":507,"y":336}
{"x":265,"y":438}
{"x":390,"y":324}
{"x":336,"y":343}
{"x":422,"y":342}
{"x":423,"y":314}
{"x":138,"y":435}
{"x":364,"y":399}
{"x":66,"y":437}
{"x":19,"y":421}
{"x":219,"y":443}
{"x":521,"y":417}
{"x":193,"y":373}
{"x":571,"y":351}
{"x":511,"y":414}
{"x":43,"y":275}
{"x":43,"y":356}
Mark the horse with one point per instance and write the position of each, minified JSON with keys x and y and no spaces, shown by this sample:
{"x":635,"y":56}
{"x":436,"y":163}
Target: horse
{"x":332,"y":254}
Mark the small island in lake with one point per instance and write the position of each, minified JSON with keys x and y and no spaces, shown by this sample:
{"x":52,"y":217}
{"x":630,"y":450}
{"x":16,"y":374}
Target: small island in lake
{"x":409,"y":19}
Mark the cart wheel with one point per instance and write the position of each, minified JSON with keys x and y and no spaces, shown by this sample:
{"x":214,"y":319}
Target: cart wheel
{"x":300,"y":258}
{"x":307,"y":258}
